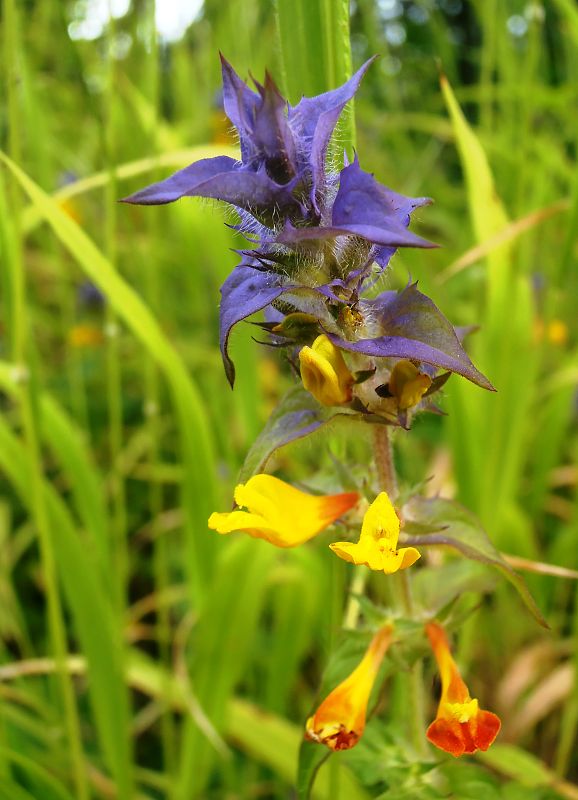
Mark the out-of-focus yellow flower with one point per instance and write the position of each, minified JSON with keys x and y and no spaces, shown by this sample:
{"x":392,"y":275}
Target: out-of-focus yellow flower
{"x":324,"y":372}
{"x":280,"y":513}
{"x":80,"y":336}
{"x":377,"y":545}
{"x":340,"y":719}
{"x":556,"y":332}
{"x":407,"y":384}
{"x":460,"y":726}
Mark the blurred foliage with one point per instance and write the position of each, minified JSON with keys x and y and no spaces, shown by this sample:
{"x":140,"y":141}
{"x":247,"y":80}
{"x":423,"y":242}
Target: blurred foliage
{"x":130,"y":636}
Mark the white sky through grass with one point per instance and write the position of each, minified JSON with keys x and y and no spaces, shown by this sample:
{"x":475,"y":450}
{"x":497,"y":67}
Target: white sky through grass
{"x":172,"y":17}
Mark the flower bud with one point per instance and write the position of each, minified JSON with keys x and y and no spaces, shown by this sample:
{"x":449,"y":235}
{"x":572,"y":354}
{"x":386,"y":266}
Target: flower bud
{"x":407,"y":384}
{"x":325,"y":373}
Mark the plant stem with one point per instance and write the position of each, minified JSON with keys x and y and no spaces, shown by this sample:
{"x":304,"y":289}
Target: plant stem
{"x":387,"y":480}
{"x":383,"y":450}
{"x":356,"y":588}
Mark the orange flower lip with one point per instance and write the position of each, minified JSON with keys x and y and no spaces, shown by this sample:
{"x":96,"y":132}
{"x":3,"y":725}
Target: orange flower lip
{"x":339,"y":721}
{"x":460,"y":726}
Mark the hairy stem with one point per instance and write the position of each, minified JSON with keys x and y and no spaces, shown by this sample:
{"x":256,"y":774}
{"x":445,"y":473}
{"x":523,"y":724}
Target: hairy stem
{"x":387,"y":479}
{"x":383,"y":450}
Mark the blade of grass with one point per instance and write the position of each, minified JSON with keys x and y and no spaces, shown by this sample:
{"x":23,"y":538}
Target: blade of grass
{"x":196,"y":442}
{"x":22,"y":352}
{"x":90,"y":610}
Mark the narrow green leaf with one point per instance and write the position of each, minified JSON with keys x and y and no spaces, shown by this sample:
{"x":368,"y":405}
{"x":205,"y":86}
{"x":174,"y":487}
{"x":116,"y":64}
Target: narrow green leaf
{"x":196,"y":441}
{"x":267,"y":738}
{"x":45,"y":783}
{"x":463,"y":531}
{"x":90,"y":610}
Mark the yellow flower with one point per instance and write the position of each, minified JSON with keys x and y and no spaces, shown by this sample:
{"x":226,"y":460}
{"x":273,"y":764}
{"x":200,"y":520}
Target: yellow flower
{"x":340,"y":719}
{"x":81,"y":336}
{"x":377,"y":543}
{"x":280,"y":513}
{"x":407,"y":384}
{"x":460,"y":726}
{"x":324,"y":372}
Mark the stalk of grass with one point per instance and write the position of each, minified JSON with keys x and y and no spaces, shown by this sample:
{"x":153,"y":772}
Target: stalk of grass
{"x":152,"y":409}
{"x":114,"y":393}
{"x":90,"y":607}
{"x":196,"y":441}
{"x":28,"y":398}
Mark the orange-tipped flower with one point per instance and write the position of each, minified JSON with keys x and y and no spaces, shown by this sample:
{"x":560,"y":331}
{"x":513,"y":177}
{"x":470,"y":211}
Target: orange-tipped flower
{"x":377,"y":545}
{"x":280,"y":513}
{"x":340,"y":719}
{"x":460,"y":726}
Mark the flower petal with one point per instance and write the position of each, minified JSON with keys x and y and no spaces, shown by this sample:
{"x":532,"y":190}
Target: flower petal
{"x":324,"y":372}
{"x":360,"y":553}
{"x":340,"y":719}
{"x":409,"y":555}
{"x":381,"y":521}
{"x":489,"y":725}
{"x":253,"y":524}
{"x":280,"y":513}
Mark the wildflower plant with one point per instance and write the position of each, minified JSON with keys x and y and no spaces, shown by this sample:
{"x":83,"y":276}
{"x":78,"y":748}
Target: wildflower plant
{"x":321,"y":239}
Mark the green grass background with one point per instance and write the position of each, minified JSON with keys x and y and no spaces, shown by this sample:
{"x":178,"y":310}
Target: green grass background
{"x":141,"y":655}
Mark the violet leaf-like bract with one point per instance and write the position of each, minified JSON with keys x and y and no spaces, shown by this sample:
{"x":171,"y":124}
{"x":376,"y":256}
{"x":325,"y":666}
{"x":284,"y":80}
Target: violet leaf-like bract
{"x":289,"y":204}
{"x":245,"y":292}
{"x":413,"y":327}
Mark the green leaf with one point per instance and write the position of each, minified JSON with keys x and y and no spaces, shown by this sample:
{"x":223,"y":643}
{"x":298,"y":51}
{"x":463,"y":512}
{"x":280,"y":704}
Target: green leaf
{"x":267,"y":738}
{"x":435,"y":589}
{"x":297,"y":415}
{"x":463,"y":531}
{"x":47,"y":786}
{"x":468,"y":781}
{"x":194,"y":429}
{"x":517,"y":764}
{"x":487,"y":210}
{"x":311,"y":757}
{"x":90,"y":609}
{"x":316,"y":56}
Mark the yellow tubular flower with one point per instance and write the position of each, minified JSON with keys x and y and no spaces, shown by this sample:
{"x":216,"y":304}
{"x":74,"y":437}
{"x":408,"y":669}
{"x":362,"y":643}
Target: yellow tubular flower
{"x":324,"y":372}
{"x":407,"y":384}
{"x":377,"y":543}
{"x":280,"y":513}
{"x":460,"y":726}
{"x":340,"y":719}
